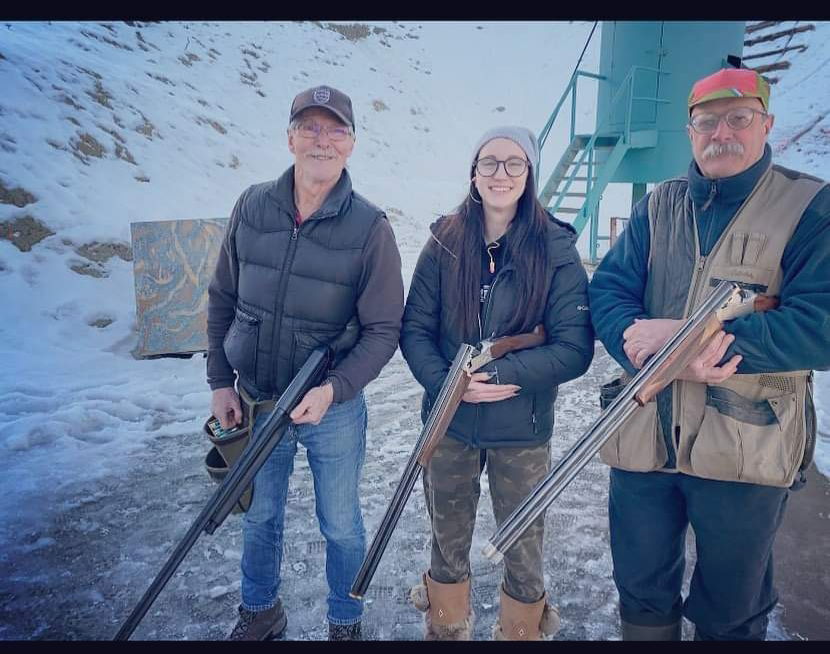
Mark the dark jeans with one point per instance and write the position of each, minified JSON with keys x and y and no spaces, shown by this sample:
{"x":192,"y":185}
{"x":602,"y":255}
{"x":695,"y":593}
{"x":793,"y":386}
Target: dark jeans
{"x":731,"y":592}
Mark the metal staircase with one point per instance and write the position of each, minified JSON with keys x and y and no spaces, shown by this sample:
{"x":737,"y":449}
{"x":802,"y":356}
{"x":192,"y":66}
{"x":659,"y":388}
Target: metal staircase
{"x":589,"y":162}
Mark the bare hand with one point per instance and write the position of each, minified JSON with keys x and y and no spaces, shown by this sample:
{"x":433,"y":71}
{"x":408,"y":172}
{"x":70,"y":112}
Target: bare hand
{"x":313,"y":406}
{"x":647,"y":336}
{"x":224,"y":404}
{"x":704,"y":367}
{"x":480,"y":391}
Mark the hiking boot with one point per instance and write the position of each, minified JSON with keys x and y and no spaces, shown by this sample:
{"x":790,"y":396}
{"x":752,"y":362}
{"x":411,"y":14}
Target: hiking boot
{"x":344,"y":631}
{"x":260,"y":625}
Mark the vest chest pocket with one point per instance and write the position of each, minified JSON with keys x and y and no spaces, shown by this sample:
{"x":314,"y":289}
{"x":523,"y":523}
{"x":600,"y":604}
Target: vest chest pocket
{"x":637,"y":445}
{"x":240,"y":343}
{"x":757,"y":441}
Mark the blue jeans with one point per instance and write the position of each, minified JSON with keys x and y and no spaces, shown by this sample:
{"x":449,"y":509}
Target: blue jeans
{"x":731,"y":592}
{"x":336,"y":449}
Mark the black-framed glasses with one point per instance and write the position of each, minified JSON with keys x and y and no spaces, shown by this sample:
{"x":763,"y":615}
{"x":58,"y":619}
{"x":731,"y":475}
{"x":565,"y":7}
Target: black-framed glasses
{"x":310,"y":130}
{"x":513,"y":166}
{"x":736,"y":119}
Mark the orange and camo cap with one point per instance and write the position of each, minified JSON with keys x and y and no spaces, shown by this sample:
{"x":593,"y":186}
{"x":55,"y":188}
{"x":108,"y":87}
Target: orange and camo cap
{"x":730,"y":83}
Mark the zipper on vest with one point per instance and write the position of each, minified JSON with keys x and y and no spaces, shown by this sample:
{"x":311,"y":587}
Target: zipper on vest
{"x":280,"y":302}
{"x":696,"y":277}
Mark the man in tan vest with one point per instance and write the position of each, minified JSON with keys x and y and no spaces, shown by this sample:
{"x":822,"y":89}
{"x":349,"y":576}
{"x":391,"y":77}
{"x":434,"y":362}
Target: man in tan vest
{"x":723,"y":447}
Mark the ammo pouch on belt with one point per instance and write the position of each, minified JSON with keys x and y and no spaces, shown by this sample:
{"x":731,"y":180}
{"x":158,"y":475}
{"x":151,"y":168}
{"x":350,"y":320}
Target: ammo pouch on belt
{"x":228,"y":447}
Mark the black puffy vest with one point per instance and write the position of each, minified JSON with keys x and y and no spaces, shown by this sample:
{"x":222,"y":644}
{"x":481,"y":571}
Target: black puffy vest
{"x":297,"y":286}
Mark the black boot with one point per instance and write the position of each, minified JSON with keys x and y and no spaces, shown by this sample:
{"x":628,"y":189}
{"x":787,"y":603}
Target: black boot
{"x":671,"y":631}
{"x":344,"y":631}
{"x":260,"y":625}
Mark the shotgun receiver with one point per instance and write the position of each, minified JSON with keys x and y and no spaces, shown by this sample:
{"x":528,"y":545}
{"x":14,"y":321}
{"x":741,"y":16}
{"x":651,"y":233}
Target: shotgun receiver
{"x":726,"y":302}
{"x":238,"y":479}
{"x":467,"y":360}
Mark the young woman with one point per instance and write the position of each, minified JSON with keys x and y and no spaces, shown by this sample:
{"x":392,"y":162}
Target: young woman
{"x":499,"y":265}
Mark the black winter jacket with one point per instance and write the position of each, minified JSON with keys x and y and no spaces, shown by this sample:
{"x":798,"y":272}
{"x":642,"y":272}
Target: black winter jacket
{"x":429,"y":342}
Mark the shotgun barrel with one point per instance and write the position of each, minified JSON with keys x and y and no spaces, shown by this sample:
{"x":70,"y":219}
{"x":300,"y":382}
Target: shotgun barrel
{"x":448,"y":400}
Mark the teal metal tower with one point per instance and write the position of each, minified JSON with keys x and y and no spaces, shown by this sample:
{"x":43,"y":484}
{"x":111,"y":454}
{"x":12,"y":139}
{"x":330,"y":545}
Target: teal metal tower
{"x":646,"y":71}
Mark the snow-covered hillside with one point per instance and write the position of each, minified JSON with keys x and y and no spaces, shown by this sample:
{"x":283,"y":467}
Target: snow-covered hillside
{"x":104,"y":124}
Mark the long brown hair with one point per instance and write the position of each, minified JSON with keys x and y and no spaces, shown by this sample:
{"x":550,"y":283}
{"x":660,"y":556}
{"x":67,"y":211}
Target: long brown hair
{"x":463,"y":234}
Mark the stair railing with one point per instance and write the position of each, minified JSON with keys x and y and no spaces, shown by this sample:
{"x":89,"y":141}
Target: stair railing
{"x":570,"y":89}
{"x":626,"y":89}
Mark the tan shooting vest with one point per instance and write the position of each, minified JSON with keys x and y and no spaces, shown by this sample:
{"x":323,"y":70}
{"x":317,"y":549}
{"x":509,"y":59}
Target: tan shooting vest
{"x":750,"y":428}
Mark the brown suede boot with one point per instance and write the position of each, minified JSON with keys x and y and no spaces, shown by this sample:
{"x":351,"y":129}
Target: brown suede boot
{"x":447,"y":611}
{"x":523,"y":621}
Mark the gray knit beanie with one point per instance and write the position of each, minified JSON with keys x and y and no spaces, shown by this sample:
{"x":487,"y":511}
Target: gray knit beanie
{"x":521,"y":136}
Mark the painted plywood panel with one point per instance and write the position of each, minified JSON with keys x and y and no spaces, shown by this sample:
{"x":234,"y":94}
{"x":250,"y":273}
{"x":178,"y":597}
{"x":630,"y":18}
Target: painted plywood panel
{"x":173,"y":262}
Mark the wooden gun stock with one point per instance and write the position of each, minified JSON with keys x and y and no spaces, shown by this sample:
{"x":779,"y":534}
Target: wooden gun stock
{"x":505,"y":344}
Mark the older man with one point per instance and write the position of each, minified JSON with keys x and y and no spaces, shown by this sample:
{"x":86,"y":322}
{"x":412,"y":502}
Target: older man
{"x":736,"y":432}
{"x":302,"y":256}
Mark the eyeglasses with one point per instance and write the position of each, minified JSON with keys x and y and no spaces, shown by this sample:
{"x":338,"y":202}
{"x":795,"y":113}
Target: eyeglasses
{"x":313,"y":130}
{"x":513,"y":166}
{"x":736,"y":119}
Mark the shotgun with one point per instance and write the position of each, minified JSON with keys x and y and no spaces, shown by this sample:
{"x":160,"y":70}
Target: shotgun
{"x":239,"y":477}
{"x":467,"y":360}
{"x":726,"y":302}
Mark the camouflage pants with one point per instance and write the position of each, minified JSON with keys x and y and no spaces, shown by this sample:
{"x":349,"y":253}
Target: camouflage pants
{"x":452,"y":488}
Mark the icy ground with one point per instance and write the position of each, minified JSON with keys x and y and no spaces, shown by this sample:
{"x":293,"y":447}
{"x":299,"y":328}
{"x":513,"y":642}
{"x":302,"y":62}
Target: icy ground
{"x":80,"y":577}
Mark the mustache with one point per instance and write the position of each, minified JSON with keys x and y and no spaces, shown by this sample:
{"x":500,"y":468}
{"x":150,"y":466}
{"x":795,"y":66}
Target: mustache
{"x":719,"y":149}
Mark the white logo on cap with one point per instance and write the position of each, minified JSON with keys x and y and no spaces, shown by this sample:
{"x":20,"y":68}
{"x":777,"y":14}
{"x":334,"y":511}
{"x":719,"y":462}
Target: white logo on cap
{"x":321,"y":95}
